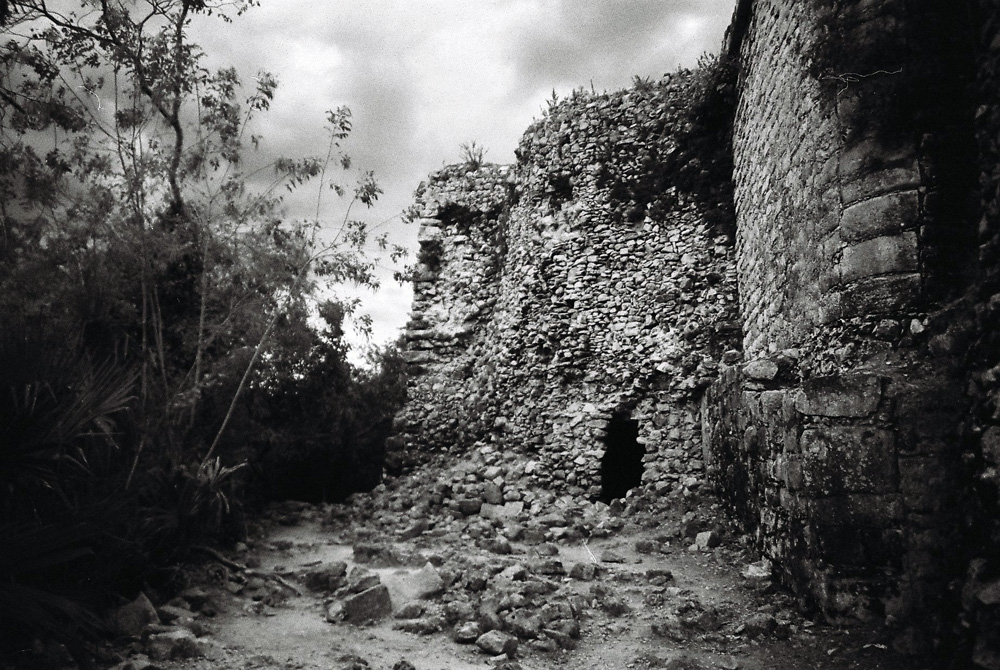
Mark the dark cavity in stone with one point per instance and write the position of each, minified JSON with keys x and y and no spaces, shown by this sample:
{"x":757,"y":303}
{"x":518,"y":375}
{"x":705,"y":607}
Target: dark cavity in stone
{"x":621,"y":465}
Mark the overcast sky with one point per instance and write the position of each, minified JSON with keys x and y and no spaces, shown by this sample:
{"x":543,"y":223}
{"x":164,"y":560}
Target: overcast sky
{"x":423,"y":76}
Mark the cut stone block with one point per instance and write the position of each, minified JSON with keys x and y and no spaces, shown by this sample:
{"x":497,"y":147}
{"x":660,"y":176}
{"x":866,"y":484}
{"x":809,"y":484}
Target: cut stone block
{"x":881,"y":295}
{"x":427,"y":582}
{"x":879,"y":256}
{"x":839,"y":395}
{"x":844,"y":459}
{"x":882,"y":215}
{"x":367,"y":606}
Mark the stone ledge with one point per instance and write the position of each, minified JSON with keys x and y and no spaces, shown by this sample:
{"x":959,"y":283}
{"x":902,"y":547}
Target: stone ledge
{"x":881,"y":295}
{"x":880,"y":215}
{"x":856,"y":396}
{"x":878,"y":256}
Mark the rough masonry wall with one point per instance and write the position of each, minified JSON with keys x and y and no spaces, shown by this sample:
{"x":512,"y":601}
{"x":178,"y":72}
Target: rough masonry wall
{"x":596,"y":280}
{"x":785,"y":175}
{"x":980,"y":593}
{"x":608,"y":294}
{"x":462,"y":215}
{"x":836,"y":439}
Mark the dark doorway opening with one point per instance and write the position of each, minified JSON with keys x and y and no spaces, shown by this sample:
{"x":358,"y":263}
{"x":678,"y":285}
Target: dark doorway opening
{"x":621,"y":465}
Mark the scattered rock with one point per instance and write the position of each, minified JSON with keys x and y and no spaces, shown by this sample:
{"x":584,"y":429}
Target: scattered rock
{"x":367,"y":607}
{"x":610,"y":556}
{"x":362,"y":579}
{"x":583,"y":571}
{"x":497,"y":642}
{"x":492,"y":494}
{"x":459,"y":610}
{"x":416,"y":529}
{"x":759,"y":625}
{"x":759,"y":574}
{"x":504,"y":663}
{"x":499,"y":545}
{"x":173,"y":645}
{"x":351,"y":662}
{"x":551,"y":567}
{"x":645,"y":546}
{"x":514,"y":573}
{"x":137,"y":662}
{"x":423,"y":626}
{"x":659,"y":577}
{"x":989,"y":594}
{"x":427,"y":583}
{"x":196,"y":597}
{"x":376,"y":555}
{"x":170,"y":614}
{"x":410,"y":611}
{"x":130,"y":619}
{"x":469,"y":506}
{"x":505,"y":512}
{"x":566,"y":627}
{"x":524,"y":625}
{"x":562,"y":639}
{"x":468,"y":632}
{"x":709,"y":539}
{"x":614,"y":606}
{"x":547,"y":549}
{"x":326,"y":578}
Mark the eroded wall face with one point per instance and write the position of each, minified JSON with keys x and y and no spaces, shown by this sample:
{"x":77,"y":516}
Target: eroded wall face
{"x":462,"y":216}
{"x":786,"y":145}
{"x":856,"y":435}
{"x":836,"y":440}
{"x":601,"y":287}
{"x":980,"y":592}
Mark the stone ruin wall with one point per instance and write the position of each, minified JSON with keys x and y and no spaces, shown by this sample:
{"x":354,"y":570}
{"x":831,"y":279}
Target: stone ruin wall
{"x":979,"y":597}
{"x":554,"y":294}
{"x":838,"y":440}
{"x":856,"y":436}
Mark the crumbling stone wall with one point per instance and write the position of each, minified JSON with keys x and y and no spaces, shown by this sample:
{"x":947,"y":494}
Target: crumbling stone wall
{"x":836,"y":440}
{"x":847,"y":410}
{"x":463,"y":216}
{"x":596,"y":287}
{"x":980,"y":593}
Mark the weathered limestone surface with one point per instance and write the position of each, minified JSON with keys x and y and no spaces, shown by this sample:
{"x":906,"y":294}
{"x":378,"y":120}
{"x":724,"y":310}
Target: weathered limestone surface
{"x":856,"y":436}
{"x":854,"y":249}
{"x":552,"y":294}
{"x":980,"y":595}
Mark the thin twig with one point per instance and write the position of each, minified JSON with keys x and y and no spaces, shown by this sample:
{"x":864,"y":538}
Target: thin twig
{"x":239,"y":567}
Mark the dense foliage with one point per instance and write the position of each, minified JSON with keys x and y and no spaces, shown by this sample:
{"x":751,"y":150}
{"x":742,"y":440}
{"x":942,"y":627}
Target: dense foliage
{"x":158,"y":346}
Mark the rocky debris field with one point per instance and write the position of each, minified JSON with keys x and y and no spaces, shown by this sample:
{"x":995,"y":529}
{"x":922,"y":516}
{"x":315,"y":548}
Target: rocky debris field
{"x":435,"y":570}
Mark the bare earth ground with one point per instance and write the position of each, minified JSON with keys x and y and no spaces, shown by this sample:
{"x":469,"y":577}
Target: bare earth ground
{"x":653,"y":602}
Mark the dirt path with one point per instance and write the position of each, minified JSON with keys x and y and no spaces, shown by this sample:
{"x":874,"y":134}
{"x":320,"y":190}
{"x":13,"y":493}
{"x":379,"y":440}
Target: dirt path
{"x":644,"y":585}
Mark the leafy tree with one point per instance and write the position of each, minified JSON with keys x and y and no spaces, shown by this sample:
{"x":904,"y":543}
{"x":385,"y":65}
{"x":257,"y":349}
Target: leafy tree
{"x":127,"y":207}
{"x":151,"y":281}
{"x":314,"y":425}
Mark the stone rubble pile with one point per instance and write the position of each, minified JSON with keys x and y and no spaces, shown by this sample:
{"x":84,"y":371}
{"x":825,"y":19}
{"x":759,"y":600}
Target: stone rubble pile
{"x":498,"y":575}
{"x":502,"y":579}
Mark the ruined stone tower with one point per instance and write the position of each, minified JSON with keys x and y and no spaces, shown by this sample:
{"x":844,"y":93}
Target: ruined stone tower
{"x":779,"y":275}
{"x":576,"y":302}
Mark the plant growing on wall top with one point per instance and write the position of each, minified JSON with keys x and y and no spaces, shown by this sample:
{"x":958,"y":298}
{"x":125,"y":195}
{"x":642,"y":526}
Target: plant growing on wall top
{"x":473,"y":155}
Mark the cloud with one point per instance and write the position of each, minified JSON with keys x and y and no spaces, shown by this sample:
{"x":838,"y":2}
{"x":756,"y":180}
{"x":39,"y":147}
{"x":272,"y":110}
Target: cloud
{"x":608,"y":41}
{"x":423,"y":77}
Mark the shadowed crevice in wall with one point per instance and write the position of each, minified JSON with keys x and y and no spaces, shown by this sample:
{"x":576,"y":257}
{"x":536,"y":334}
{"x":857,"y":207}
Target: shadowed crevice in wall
{"x":621,"y":465}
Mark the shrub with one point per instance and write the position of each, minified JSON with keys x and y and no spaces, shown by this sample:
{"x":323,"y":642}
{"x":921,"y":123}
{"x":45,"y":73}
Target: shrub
{"x":473,"y":155}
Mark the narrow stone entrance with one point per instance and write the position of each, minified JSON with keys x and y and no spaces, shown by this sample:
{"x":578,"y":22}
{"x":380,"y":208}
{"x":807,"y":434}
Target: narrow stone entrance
{"x":621,"y":465}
